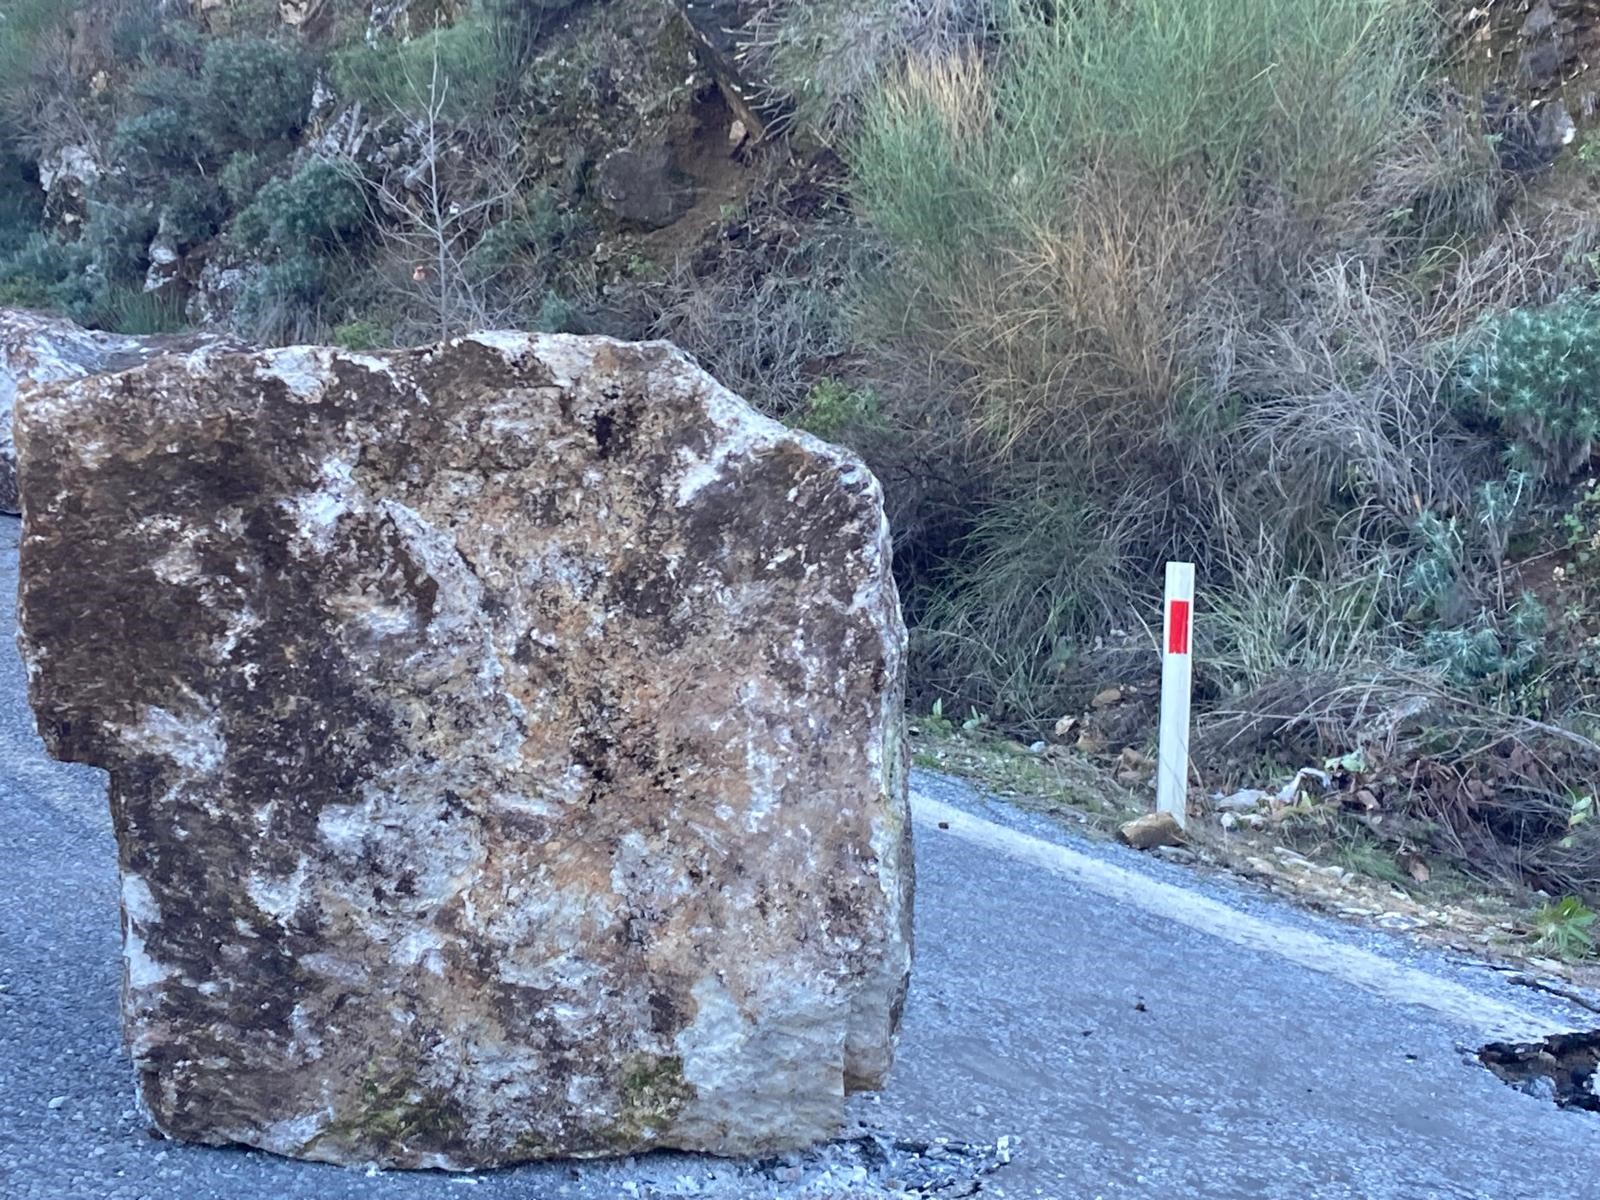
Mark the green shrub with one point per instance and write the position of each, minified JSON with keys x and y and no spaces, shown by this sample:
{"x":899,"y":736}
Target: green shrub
{"x":192,"y":209}
{"x":503,"y":247}
{"x":1082,"y":217}
{"x":255,"y":91}
{"x":1489,"y":650}
{"x":1565,"y":928}
{"x":555,"y":315}
{"x":364,"y":334}
{"x":24,"y":25}
{"x":118,"y":234}
{"x":317,"y":207}
{"x":33,"y":272}
{"x":1536,"y":371}
{"x":833,"y":409}
{"x":244,"y":174}
{"x":55,"y":274}
{"x":21,"y":199}
{"x":399,"y":76}
{"x":64,"y":276}
{"x":157,"y":142}
{"x":282,"y":301}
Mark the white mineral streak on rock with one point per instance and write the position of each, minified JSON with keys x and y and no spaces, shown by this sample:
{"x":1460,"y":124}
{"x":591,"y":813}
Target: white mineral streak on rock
{"x":512,"y":729}
{"x":302,"y":369}
{"x":193,"y":743}
{"x":784,"y":1071}
{"x":139,"y":912}
{"x":317,"y":512}
{"x":278,"y":896}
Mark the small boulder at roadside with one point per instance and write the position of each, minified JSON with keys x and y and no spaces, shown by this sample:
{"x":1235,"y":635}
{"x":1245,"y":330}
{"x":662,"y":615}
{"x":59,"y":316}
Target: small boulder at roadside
{"x":1151,"y":830}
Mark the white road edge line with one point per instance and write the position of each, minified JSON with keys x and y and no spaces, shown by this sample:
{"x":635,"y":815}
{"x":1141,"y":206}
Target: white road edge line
{"x":1496,"y":1020}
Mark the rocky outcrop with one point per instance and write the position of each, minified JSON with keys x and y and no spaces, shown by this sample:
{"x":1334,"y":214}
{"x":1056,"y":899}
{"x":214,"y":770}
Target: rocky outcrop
{"x":36,"y":348}
{"x":504,"y":745}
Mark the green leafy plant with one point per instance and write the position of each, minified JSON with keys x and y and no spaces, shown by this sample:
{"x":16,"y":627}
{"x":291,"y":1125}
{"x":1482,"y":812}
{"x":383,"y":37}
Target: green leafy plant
{"x":399,"y":76}
{"x":254,"y":90}
{"x":244,"y":174}
{"x":1435,"y":574}
{"x":1489,"y":650}
{"x":1581,"y":525}
{"x":192,"y":209}
{"x":1581,"y":812}
{"x":364,"y":334}
{"x":159,"y":141}
{"x":1564,"y":928}
{"x":832,"y":409}
{"x":1536,"y":371}
{"x":319,"y":206}
{"x":936,"y":722}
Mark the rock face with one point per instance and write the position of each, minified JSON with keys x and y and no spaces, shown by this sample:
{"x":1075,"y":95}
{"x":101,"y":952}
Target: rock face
{"x":35,"y":348}
{"x":644,"y":186}
{"x":504,"y":745}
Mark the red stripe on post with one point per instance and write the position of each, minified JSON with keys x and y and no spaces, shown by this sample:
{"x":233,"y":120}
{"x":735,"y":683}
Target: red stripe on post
{"x":1178,"y":628}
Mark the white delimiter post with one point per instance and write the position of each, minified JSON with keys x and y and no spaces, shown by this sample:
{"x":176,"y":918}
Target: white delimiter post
{"x":1172,"y":766}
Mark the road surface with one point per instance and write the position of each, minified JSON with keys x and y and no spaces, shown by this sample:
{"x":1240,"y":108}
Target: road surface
{"x":1131,"y":1029}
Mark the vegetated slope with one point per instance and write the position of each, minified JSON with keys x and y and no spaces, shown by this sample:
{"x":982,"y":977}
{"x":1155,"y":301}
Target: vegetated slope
{"x":1299,"y":290}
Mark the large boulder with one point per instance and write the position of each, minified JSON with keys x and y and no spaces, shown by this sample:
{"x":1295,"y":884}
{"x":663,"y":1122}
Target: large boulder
{"x":504,"y":745}
{"x":38,"y":348}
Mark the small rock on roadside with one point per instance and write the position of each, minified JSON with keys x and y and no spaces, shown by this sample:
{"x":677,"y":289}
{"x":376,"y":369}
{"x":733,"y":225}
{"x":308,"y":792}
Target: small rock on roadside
{"x":1151,"y":830}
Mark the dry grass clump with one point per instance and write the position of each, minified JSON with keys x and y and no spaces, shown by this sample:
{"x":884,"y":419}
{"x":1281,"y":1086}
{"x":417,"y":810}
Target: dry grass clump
{"x":1213,"y":281}
{"x":1115,"y":241}
{"x":819,"y":62}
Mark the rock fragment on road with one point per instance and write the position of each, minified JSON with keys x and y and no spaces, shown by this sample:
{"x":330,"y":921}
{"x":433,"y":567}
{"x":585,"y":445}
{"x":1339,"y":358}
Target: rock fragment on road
{"x":1151,"y":830}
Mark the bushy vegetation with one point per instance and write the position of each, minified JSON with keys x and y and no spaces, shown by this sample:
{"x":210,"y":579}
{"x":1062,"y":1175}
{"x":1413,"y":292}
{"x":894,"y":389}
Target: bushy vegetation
{"x":1229,"y":282}
{"x":1065,"y":217}
{"x":1536,"y":371}
{"x":396,"y":74}
{"x":206,"y":128}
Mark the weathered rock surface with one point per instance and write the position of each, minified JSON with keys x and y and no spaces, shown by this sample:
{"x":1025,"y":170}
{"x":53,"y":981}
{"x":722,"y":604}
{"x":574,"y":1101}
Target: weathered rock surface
{"x":37,"y":348}
{"x":644,"y":186}
{"x":504,"y":746}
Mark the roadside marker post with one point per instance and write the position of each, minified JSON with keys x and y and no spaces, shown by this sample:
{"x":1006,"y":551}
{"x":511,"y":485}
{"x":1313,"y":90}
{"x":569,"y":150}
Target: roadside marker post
{"x":1177,"y":671}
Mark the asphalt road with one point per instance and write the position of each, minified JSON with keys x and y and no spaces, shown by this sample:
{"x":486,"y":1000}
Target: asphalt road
{"x":1131,"y":1029}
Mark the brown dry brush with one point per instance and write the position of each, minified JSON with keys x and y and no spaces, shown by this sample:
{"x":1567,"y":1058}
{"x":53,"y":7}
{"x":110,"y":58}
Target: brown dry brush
{"x":1153,"y":364}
